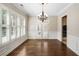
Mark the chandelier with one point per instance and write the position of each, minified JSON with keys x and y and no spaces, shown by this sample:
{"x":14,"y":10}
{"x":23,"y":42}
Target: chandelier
{"x":42,"y":16}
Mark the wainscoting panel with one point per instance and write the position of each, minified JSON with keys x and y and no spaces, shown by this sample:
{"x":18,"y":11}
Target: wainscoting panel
{"x":45,"y":35}
{"x":73,"y":43}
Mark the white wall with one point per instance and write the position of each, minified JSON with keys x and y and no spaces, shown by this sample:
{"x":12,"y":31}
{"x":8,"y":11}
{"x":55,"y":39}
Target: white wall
{"x":48,"y":29}
{"x":72,"y":27}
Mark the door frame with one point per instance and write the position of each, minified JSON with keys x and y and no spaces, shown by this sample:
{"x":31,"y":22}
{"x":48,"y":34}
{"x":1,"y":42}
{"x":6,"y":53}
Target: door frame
{"x":65,"y":16}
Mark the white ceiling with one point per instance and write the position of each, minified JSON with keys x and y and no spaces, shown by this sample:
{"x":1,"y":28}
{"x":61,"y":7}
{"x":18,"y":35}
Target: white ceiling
{"x":34,"y":9}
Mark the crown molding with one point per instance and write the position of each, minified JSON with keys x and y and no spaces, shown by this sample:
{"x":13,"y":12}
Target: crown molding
{"x":64,"y":9}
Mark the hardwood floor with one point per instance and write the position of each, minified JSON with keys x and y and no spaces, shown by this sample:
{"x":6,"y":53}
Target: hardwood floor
{"x":47,"y":47}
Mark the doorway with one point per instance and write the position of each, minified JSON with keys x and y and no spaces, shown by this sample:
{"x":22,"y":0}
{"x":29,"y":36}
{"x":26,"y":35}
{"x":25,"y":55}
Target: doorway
{"x":64,"y":29}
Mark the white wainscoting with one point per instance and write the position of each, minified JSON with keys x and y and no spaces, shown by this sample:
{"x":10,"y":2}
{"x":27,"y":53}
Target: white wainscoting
{"x":46,"y":35}
{"x":52,"y":35}
{"x":59,"y":36}
{"x":6,"y":49}
{"x":73,"y":43}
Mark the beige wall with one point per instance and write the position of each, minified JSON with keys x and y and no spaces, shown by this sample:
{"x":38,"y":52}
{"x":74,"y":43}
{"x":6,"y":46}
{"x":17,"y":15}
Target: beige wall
{"x":52,"y":23}
{"x":72,"y":27}
{"x":73,"y":20}
{"x":48,"y":28}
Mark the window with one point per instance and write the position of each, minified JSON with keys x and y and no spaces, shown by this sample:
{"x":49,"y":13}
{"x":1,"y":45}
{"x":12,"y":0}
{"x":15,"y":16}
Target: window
{"x":5,"y":26}
{"x":18,"y":27}
{"x":24,"y":29}
{"x":22,"y":26}
{"x":13,"y":26}
{"x":0,"y":27}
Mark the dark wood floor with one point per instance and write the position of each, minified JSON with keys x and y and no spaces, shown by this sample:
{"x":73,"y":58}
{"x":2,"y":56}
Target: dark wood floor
{"x":42,"y":48}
